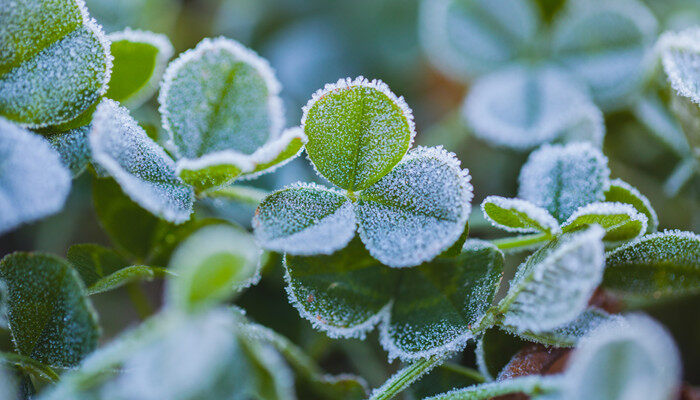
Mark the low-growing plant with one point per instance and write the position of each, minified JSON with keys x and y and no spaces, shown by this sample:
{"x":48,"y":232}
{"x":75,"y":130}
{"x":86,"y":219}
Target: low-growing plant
{"x":384,"y":243}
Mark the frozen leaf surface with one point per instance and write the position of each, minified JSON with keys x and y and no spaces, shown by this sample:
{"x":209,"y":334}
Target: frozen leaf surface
{"x":561,"y":179}
{"x":622,"y":192}
{"x":552,"y":287}
{"x":516,"y":215}
{"x":304,"y":219}
{"x":61,"y":51}
{"x":141,"y":167}
{"x":568,"y":335}
{"x":50,"y":317}
{"x":33,"y":181}
{"x":73,"y":148}
{"x":417,"y":210}
{"x":424,"y":311}
{"x":680,"y":55}
{"x":358,"y":131}
{"x":620,"y":221}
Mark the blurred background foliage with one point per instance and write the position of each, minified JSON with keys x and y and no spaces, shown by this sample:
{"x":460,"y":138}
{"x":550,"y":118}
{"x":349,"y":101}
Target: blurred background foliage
{"x":313,"y":42}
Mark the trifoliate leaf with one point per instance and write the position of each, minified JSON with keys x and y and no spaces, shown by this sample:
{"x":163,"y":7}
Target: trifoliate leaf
{"x":140,"y":58}
{"x":604,"y":43}
{"x":426,"y":310}
{"x":536,"y":387}
{"x":516,"y":215}
{"x":552,"y":287}
{"x":680,"y":56}
{"x":50,"y":317}
{"x":568,"y":335}
{"x":73,"y":148}
{"x":57,"y":47}
{"x":141,"y":167}
{"x":211,"y":265}
{"x":622,"y":192}
{"x":417,"y":210}
{"x":494,"y":349}
{"x":358,"y":131}
{"x":655,"y":267}
{"x":561,"y":179}
{"x":620,"y":221}
{"x":33,"y":181}
{"x":304,"y":219}
{"x":464,"y":38}
{"x":521,"y":108}
{"x":634,"y":358}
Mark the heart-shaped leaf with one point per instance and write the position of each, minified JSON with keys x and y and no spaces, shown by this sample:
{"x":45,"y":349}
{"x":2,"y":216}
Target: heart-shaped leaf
{"x":57,"y":47}
{"x":33,"y":181}
{"x":655,"y":267}
{"x":494,"y":349}
{"x":358,"y":131}
{"x":622,"y":192}
{"x":561,"y":179}
{"x":620,"y":221}
{"x":426,"y":310}
{"x":417,"y":210}
{"x":680,"y":55}
{"x":552,"y":287}
{"x":516,"y":215}
{"x":465,"y":38}
{"x":50,"y":317}
{"x":73,"y":148}
{"x":141,"y":167}
{"x":140,"y":58}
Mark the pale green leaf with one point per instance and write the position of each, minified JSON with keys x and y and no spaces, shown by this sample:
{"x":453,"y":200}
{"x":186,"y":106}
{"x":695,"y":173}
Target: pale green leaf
{"x":622,"y":192}
{"x":620,"y":221}
{"x":132,"y":273}
{"x":155,"y":15}
{"x":656,"y":116}
{"x":516,"y":215}
{"x":688,"y":114}
{"x":680,"y":56}
{"x":93,"y":262}
{"x":72,"y":147}
{"x":35,"y":368}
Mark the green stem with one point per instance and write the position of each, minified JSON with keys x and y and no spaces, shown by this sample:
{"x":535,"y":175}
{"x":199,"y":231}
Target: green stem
{"x":405,"y":377}
{"x":243,"y":194}
{"x":522,"y":242}
{"x":138,"y":298}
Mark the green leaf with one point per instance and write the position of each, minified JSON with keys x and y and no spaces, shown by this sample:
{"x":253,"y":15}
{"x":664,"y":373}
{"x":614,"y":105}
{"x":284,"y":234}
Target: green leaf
{"x":304,"y":219}
{"x":63,"y":53}
{"x":211,"y":265}
{"x":416,"y":211}
{"x":72,"y":147}
{"x":124,"y":276}
{"x":425,"y":310}
{"x":50,"y":317}
{"x":37,"y":369}
{"x":247,"y":195}
{"x":140,"y":58}
{"x":494,"y":349}
{"x":516,"y":215}
{"x":680,"y":55}
{"x":141,"y":167}
{"x":655,"y":267}
{"x":33,"y":181}
{"x":358,"y":131}
{"x":622,"y":192}
{"x":553,"y":286}
{"x":536,"y":387}
{"x":561,"y":179}
{"x":570,"y":334}
{"x":620,"y":221}
{"x":594,"y":36}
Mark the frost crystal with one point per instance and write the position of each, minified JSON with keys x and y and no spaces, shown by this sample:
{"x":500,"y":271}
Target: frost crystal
{"x":141,"y":167}
{"x":563,"y":178}
{"x":620,"y":221}
{"x":516,"y":215}
{"x":417,"y":210}
{"x":680,"y":55}
{"x":33,"y":181}
{"x":73,"y":148}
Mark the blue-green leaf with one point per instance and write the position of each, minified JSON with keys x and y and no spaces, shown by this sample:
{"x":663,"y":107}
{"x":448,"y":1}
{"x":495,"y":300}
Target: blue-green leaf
{"x":680,"y":55}
{"x":73,"y":148}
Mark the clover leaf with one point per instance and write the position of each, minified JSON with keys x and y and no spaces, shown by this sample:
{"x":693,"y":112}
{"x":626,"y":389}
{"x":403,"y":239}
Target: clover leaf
{"x":517,"y":215}
{"x":426,"y":310}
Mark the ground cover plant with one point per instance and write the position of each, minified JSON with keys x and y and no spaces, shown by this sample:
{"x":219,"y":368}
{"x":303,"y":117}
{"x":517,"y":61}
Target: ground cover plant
{"x":522,"y":225}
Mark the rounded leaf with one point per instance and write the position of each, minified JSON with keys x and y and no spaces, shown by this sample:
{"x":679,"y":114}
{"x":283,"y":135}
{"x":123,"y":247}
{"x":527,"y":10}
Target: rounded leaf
{"x":516,"y":215}
{"x":620,"y":221}
{"x":358,"y":130}
{"x":622,"y":192}
{"x":680,"y":55}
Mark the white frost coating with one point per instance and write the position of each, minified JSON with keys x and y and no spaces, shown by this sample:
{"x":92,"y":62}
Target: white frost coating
{"x":680,"y":56}
{"x":394,"y":352}
{"x":540,"y":215}
{"x":561,"y":179}
{"x":553,"y":286}
{"x":609,"y":208}
{"x":33,"y":181}
{"x":272,"y":149}
{"x":165,"y":51}
{"x":641,"y":352}
{"x":653,"y":222}
{"x":141,"y":167}
{"x":499,"y":108}
{"x":660,"y":253}
{"x":225,"y":157}
{"x":417,"y":210}
{"x":304,"y":219}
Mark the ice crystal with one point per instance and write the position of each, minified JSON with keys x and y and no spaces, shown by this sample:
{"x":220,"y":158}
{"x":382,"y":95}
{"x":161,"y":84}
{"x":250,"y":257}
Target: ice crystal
{"x":73,"y":148}
{"x":516,"y":215}
{"x":680,"y":55}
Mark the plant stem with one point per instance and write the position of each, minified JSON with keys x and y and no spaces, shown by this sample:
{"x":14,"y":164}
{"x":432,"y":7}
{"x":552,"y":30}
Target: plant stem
{"x":405,"y":377}
{"x":522,"y":242}
{"x":243,"y":194}
{"x":138,"y":298}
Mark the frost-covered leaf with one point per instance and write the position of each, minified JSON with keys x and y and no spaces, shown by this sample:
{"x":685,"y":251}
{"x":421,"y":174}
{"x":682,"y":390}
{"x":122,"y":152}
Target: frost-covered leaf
{"x":464,"y":38}
{"x":126,"y":275}
{"x":494,"y":350}
{"x":656,"y":116}
{"x":29,"y":365}
{"x":417,"y":210}
{"x":211,"y":265}
{"x":561,"y":179}
{"x":54,"y":61}
{"x":535,"y":387}
{"x":277,"y":152}
{"x":568,"y":335}
{"x":516,"y":215}
{"x":73,"y":148}
{"x":634,"y":358}
{"x":688,"y":114}
{"x":33,"y":181}
{"x":50,"y":317}
{"x":426,"y":310}
{"x":358,"y":130}
{"x":622,"y":192}
{"x":655,"y":267}
{"x":522,"y":107}
{"x":140,"y":58}
{"x":604,"y":43}
{"x":141,"y":167}
{"x":620,"y":221}
{"x":304,"y":219}
{"x":680,"y":56}
{"x":552,"y":287}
